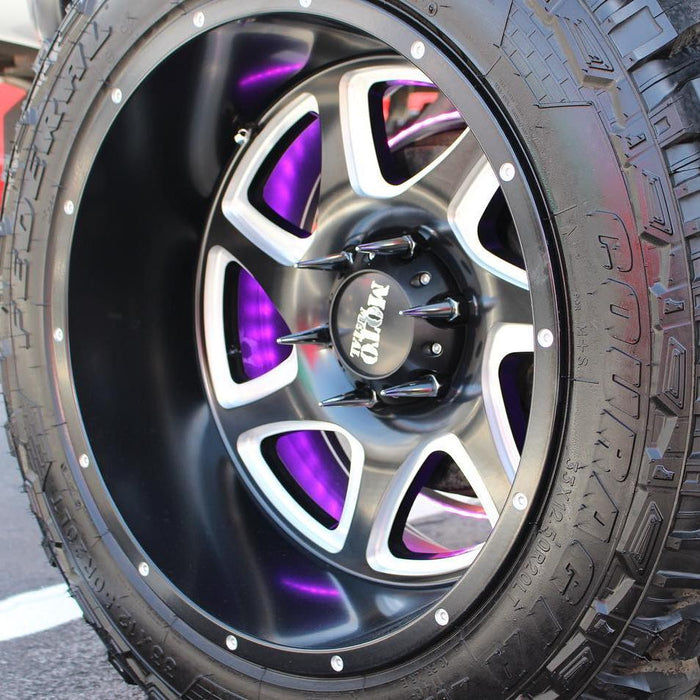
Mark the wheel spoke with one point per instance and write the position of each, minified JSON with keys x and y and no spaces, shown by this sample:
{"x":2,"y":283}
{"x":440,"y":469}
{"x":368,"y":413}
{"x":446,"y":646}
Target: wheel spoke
{"x":275,"y":277}
{"x":490,"y":486}
{"x":509,"y":303}
{"x":271,"y":405}
{"x":281,"y":245}
{"x":482,"y":449}
{"x":466,"y":210}
{"x":444,"y":177}
{"x":363,"y":165}
{"x":335,"y":178}
{"x":503,"y":339}
{"x":308,"y":474}
{"x":377,"y":484}
{"x":228,"y":392}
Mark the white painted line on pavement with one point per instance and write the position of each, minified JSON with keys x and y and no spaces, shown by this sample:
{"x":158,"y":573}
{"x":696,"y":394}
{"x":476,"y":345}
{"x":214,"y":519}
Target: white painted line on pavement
{"x":36,"y":611}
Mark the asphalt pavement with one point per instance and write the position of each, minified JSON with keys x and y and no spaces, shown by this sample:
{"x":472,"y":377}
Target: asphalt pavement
{"x":66,"y":662}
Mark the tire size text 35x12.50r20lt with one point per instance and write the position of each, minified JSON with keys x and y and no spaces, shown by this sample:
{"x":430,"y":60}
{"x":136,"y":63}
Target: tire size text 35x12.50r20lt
{"x":349,"y":347}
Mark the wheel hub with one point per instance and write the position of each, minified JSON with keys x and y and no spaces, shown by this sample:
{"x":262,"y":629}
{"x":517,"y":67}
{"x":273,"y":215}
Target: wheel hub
{"x":370,"y":335}
{"x":393,"y":319}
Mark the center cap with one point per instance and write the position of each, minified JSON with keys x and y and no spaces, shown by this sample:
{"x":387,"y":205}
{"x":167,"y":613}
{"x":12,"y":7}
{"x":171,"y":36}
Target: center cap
{"x":370,"y":336}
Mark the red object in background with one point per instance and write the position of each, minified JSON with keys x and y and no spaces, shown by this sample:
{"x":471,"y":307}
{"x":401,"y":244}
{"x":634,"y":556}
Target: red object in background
{"x":10,"y":98}
{"x":417,"y":101}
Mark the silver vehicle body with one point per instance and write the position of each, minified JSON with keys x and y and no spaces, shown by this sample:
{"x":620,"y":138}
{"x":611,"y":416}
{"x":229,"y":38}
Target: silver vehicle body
{"x":26,"y":22}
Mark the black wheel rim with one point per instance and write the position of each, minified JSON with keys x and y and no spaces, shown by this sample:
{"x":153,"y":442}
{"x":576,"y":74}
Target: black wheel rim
{"x":369,"y":610}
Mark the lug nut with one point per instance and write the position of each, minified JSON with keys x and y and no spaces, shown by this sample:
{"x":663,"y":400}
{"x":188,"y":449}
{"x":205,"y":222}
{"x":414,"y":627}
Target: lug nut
{"x":435,"y":349}
{"x":336,"y":261}
{"x":313,"y":336}
{"x":445,"y":310}
{"x":360,"y":398}
{"x":403,"y":245}
{"x":426,"y":388}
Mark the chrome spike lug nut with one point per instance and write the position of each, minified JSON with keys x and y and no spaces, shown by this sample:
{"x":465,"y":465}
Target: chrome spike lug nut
{"x":445,"y":310}
{"x":360,"y":398}
{"x":336,"y":261}
{"x":425,"y":388}
{"x":312,"y":336}
{"x":403,"y":245}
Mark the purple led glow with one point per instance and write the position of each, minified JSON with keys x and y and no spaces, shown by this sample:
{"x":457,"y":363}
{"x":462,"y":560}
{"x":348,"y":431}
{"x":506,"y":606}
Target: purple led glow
{"x":290,"y":187}
{"x":311,"y":589}
{"x":421,"y":125}
{"x":259,"y":326}
{"x":309,"y":460}
{"x":270,"y":75}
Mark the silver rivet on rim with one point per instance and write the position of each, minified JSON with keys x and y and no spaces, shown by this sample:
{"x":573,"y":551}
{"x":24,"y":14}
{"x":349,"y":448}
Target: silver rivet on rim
{"x":144,"y":569}
{"x":231,"y":643}
{"x":58,"y":335}
{"x":442,"y":617}
{"x":198,"y":20}
{"x":337,"y":663}
{"x":242,"y":137}
{"x":436,"y":349}
{"x":418,"y":50}
{"x":68,"y":207}
{"x":507,"y":172}
{"x":520,"y":501}
{"x":116,"y":96}
{"x":84,"y":461}
{"x":545,"y":338}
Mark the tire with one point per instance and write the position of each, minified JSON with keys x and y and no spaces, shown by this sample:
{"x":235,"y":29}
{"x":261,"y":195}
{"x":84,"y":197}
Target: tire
{"x":171,"y":522}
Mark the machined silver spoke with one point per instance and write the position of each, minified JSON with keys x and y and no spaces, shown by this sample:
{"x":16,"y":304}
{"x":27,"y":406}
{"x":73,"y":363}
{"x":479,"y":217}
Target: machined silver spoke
{"x":510,"y":303}
{"x":484,"y":446}
{"x":375,"y":484}
{"x":249,"y":446}
{"x":445,"y":176}
{"x":464,"y":214}
{"x":285,"y":247}
{"x":364,"y":169}
{"x":230,"y":393}
{"x":502,"y":340}
{"x":334,"y":182}
{"x":379,"y":553}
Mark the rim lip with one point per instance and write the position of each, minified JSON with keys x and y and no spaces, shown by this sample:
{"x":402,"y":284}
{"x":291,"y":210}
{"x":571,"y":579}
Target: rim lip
{"x":169,"y":35}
